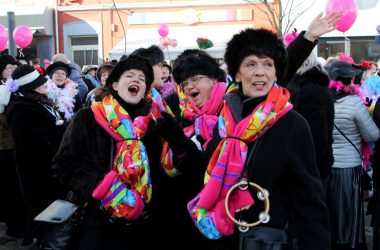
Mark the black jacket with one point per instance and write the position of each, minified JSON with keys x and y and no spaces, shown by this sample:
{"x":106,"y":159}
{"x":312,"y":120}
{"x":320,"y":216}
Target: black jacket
{"x":84,"y":158}
{"x":284,"y":164}
{"x":37,"y":138}
{"x":311,"y":98}
{"x":298,"y":51}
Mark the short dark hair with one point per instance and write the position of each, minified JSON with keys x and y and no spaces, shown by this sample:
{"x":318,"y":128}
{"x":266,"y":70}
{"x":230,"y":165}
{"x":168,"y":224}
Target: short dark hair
{"x":154,"y":54}
{"x":132,"y":62}
{"x":194,"y":62}
{"x":258,"y":42}
{"x":167,"y":66}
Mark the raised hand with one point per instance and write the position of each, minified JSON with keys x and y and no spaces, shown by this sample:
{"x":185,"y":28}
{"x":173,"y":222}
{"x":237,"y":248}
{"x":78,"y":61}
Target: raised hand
{"x":321,"y":25}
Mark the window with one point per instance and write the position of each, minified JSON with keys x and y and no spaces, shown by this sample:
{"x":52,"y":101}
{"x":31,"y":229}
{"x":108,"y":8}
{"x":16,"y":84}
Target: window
{"x":85,"y":50}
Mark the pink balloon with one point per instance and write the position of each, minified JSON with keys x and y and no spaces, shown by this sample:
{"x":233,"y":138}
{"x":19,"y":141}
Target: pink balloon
{"x":348,"y":11}
{"x":163,"y":30}
{"x":3,"y":38}
{"x":22,"y":36}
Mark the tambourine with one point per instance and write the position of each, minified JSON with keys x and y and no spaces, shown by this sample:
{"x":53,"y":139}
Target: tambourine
{"x":262,"y":194}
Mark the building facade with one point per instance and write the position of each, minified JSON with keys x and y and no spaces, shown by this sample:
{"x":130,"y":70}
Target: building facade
{"x":38,"y":15}
{"x":92,"y":31}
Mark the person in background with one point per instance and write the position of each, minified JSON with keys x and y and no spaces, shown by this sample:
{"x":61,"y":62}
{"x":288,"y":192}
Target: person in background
{"x":37,"y":129}
{"x":35,"y":62}
{"x":370,"y":68}
{"x":63,"y":91}
{"x":103,"y":72}
{"x":13,"y":216}
{"x":169,"y":83}
{"x":352,"y":124}
{"x":89,"y":76}
{"x":101,"y":76}
{"x":156,"y":57}
{"x":311,"y":97}
{"x":75,"y":75}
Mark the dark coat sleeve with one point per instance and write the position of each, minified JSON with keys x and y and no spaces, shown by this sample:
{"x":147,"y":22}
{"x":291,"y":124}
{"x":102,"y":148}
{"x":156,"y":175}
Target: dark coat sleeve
{"x":173,"y":102}
{"x":83,"y":149}
{"x":308,"y":199}
{"x":298,"y":51}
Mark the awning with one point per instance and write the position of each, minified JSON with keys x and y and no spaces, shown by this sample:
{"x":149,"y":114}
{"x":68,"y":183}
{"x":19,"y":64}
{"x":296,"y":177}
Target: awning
{"x":186,"y":37}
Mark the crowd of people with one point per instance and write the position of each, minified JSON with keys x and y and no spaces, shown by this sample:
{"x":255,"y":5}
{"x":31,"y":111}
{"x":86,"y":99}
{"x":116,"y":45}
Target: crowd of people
{"x":151,"y":149}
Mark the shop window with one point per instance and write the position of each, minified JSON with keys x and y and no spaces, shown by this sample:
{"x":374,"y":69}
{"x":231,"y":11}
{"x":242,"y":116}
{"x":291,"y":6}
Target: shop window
{"x":365,"y":49}
{"x":330,"y":48}
{"x":85,"y":50}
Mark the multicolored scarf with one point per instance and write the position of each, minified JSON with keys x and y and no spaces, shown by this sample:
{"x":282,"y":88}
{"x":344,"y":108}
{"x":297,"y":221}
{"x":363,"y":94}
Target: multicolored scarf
{"x":226,"y":165}
{"x":203,"y":119}
{"x":131,"y":186}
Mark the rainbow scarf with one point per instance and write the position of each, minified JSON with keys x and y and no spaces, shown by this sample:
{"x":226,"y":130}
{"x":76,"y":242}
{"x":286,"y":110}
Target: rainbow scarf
{"x":203,"y":119}
{"x":130,"y":187}
{"x":227,"y":163}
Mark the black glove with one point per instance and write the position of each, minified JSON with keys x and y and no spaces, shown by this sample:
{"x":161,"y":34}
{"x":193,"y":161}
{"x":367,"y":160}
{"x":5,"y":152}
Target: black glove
{"x":169,"y":129}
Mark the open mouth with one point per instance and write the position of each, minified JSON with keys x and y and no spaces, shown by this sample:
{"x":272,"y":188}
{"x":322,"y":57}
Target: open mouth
{"x":194,"y":94}
{"x":259,"y":83}
{"x":133,"y":90}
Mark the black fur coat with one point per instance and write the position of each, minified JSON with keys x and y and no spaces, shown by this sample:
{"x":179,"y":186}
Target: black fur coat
{"x":311,"y":98}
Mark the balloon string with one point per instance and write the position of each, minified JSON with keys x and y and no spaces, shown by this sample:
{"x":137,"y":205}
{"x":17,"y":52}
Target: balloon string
{"x":167,"y":48}
{"x":21,"y":54}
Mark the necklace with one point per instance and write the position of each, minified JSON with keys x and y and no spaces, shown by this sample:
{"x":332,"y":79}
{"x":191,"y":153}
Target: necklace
{"x":53,"y":112}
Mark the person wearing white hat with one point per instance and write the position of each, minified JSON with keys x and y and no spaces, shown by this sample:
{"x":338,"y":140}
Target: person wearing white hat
{"x":37,"y":129}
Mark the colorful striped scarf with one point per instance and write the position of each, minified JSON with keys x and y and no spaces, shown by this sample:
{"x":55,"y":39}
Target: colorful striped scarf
{"x":227,"y":163}
{"x":203,"y":119}
{"x":131,"y":186}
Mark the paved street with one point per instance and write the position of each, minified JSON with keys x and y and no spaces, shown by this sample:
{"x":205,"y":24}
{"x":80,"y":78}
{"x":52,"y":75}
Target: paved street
{"x":10,"y":244}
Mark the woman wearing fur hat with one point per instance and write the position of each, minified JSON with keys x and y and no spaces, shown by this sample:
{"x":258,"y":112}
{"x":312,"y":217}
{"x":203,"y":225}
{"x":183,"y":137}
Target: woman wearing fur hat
{"x":352,"y":124}
{"x":261,"y":138}
{"x":63,"y":91}
{"x":112,"y":143}
{"x":9,"y":180}
{"x":37,"y":129}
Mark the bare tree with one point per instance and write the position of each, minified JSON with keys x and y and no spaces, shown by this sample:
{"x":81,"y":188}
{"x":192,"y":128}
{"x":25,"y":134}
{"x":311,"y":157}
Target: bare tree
{"x":282,"y":14}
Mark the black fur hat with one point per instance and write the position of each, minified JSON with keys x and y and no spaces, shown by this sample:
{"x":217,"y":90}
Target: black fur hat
{"x":132,"y":62}
{"x":196,"y":62}
{"x":258,"y":42}
{"x":154,"y":54}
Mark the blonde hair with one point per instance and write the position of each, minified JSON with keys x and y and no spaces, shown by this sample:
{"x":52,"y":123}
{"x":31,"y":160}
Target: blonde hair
{"x":309,"y":63}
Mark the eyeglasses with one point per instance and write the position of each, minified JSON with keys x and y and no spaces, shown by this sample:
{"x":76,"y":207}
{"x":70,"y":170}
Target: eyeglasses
{"x":60,"y":73}
{"x":193,"y":80}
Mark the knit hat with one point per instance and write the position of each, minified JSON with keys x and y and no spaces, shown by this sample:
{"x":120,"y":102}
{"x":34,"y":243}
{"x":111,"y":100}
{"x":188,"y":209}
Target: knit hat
{"x":5,"y":60}
{"x":87,"y":68}
{"x":132,"y":62}
{"x":27,"y":78}
{"x":154,"y":54}
{"x":58,"y":66}
{"x":197,"y":64}
{"x":258,"y":42}
{"x":340,"y":69}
